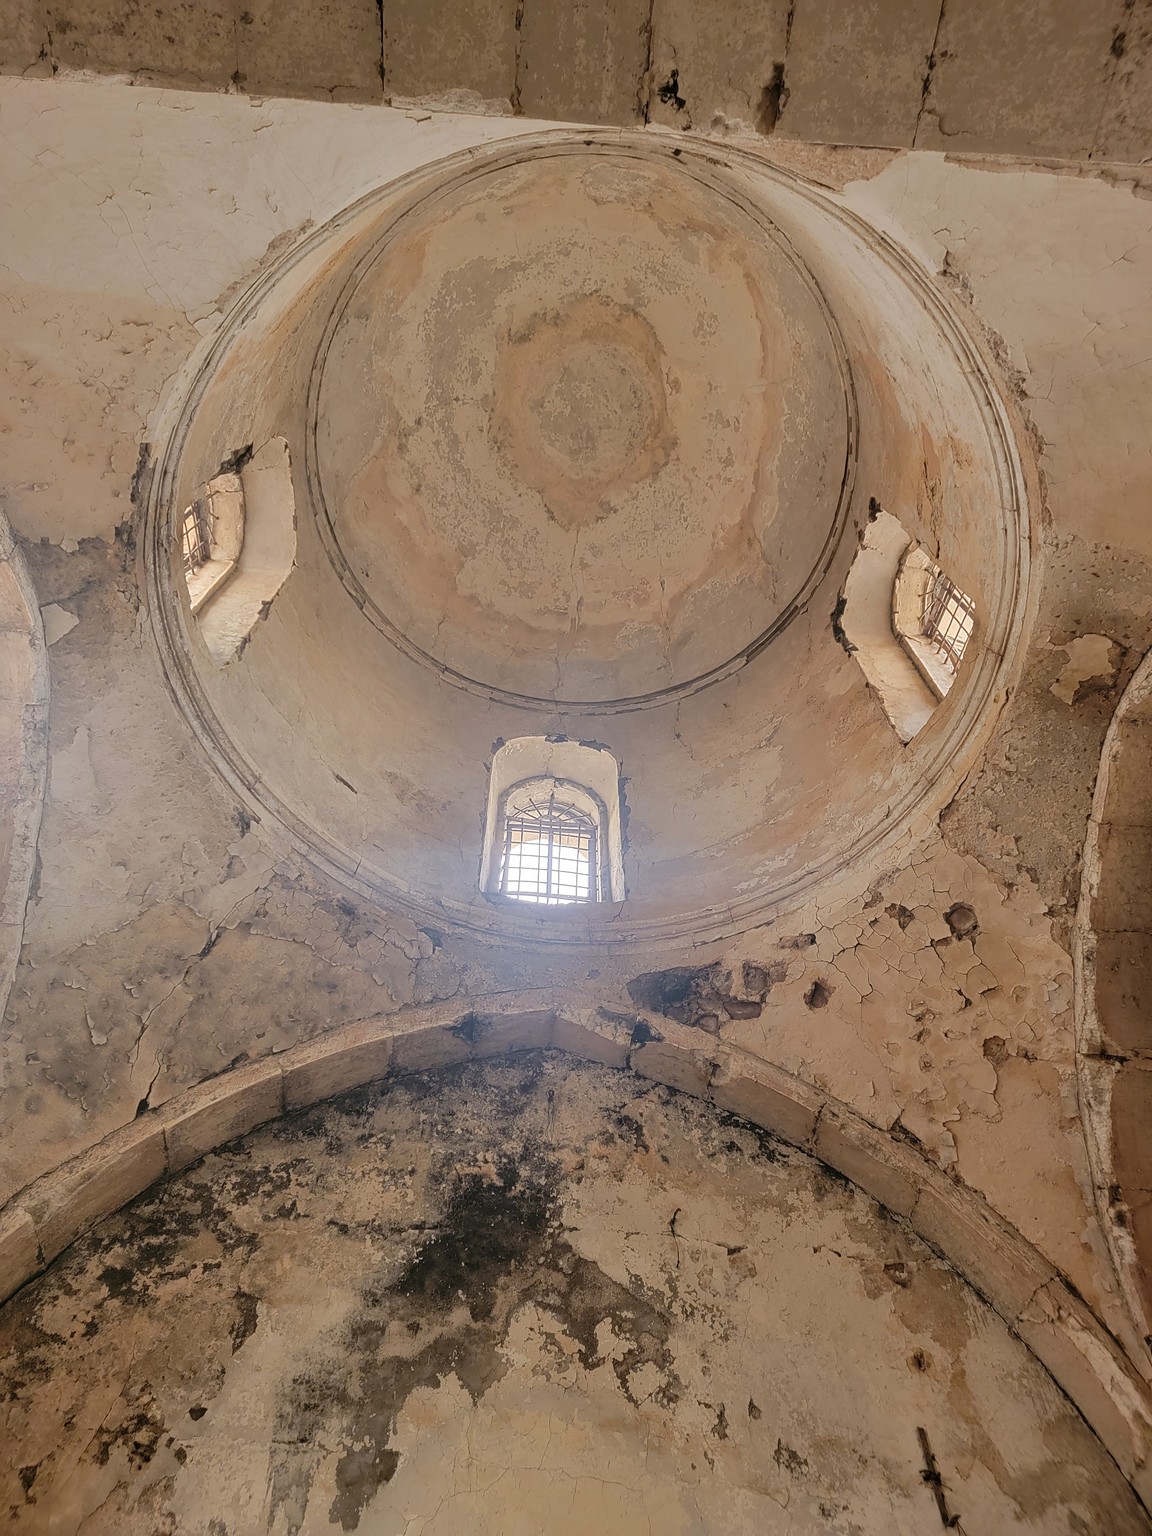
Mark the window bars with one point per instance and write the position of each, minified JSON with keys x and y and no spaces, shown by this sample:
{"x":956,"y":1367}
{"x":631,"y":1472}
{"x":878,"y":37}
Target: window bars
{"x":196,"y":537}
{"x":549,"y":854}
{"x":947,"y":617}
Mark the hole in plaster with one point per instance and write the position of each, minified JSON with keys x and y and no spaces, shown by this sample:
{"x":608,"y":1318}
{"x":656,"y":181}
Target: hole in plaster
{"x":962,"y":920}
{"x":818,"y":995}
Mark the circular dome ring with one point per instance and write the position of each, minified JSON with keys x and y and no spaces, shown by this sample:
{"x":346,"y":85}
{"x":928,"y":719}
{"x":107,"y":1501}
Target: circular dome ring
{"x":954,"y":746}
{"x":467,"y":175}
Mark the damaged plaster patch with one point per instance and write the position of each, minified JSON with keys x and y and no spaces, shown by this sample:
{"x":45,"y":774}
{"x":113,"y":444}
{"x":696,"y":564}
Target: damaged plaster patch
{"x":58,"y":622}
{"x":1093,"y":666}
{"x":541,"y":1296}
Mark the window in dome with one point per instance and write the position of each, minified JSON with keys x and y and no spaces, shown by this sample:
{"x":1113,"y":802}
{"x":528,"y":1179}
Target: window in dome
{"x":905,"y":621}
{"x":947,"y":617}
{"x":932,"y":618}
{"x":211,"y":536}
{"x":549,"y":850}
{"x":553,"y":830}
{"x":196,"y":535}
{"x":238,"y":546}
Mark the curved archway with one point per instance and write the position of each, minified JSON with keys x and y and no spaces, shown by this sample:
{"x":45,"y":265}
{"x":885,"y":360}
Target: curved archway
{"x":995,"y":1260}
{"x":1114,"y":993}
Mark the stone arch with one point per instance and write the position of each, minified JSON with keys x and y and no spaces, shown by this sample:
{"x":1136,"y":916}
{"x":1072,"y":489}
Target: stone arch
{"x":1114,"y":993}
{"x":23,"y":746}
{"x":1000,"y":1265}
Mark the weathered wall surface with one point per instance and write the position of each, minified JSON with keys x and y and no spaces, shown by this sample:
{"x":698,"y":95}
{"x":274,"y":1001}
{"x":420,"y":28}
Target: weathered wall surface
{"x":168,"y":937}
{"x":517,"y":1297}
{"x":1001,"y":76}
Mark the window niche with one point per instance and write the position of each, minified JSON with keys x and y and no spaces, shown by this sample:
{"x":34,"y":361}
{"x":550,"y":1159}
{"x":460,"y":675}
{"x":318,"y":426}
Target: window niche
{"x":553,"y":828}
{"x":905,"y":621}
{"x":237,"y":546}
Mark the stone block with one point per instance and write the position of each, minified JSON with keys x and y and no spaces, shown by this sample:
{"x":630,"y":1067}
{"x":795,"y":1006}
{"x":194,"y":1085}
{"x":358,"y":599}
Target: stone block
{"x":869,"y":1157}
{"x":1129,"y":799}
{"x":671,"y":1062}
{"x":495,"y":1034}
{"x":425,"y":1047}
{"x":116,"y":1170}
{"x":994,"y":86}
{"x":336,"y":1062}
{"x":19,"y":1250}
{"x":724,"y":57}
{"x":191,"y":42}
{"x":593,"y":1036}
{"x":767,"y":1097}
{"x":24,"y":46}
{"x":855,"y":73}
{"x":999,"y":1263}
{"x":323,"y":49}
{"x":584,"y":61}
{"x":1124,"y":895}
{"x":220,"y":1110}
{"x":476,"y":53}
{"x":1125,"y":131}
{"x":1131,"y":1119}
{"x":1065,"y":1336}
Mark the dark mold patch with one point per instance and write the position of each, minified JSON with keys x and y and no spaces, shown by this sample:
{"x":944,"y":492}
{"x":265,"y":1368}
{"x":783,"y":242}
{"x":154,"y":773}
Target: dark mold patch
{"x":497,"y":1246}
{"x":704,"y":997}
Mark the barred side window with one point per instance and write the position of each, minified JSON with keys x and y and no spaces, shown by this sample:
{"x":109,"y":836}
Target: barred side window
{"x":947,"y":617}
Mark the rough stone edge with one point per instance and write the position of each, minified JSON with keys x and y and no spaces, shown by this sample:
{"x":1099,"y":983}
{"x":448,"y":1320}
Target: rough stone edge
{"x":1095,"y":1068}
{"x":985,"y":1250}
{"x":28,"y":793}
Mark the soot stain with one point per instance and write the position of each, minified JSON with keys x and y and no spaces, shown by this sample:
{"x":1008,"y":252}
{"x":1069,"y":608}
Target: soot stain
{"x":497,"y":1246}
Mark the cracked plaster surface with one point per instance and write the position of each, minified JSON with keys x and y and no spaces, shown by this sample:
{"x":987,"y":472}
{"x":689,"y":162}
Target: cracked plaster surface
{"x":520,"y":1296}
{"x":166,"y":938}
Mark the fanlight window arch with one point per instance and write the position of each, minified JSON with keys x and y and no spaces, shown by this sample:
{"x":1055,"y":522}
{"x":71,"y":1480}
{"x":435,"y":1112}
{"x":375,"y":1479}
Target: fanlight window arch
{"x":553,"y":835}
{"x":550,"y":844}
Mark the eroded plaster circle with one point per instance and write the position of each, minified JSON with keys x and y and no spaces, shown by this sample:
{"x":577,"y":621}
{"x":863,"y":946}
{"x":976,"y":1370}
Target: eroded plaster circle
{"x":581,"y":429}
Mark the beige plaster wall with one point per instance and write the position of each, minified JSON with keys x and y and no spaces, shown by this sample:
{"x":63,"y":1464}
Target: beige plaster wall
{"x":168,"y":936}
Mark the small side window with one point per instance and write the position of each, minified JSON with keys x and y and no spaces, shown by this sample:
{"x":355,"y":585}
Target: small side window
{"x":237,"y":546}
{"x":905,"y":621}
{"x":212,"y":533}
{"x":933,"y":619}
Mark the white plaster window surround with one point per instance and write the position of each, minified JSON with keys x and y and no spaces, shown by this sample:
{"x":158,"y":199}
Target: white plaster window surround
{"x":571,"y":791}
{"x":249,"y":515}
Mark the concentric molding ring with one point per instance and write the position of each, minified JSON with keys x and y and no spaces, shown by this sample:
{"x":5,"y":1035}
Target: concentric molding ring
{"x":699,"y":169}
{"x":955,"y":749}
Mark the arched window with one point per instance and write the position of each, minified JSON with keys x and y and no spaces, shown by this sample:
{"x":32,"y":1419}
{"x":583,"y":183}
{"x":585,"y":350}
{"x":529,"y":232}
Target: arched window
{"x":907,"y":623}
{"x":933,"y":619}
{"x":549,"y":844}
{"x":553,"y":833}
{"x":237,"y":545}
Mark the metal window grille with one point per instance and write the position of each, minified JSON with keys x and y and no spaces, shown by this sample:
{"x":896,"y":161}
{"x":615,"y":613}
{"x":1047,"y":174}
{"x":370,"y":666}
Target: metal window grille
{"x":549,"y":854}
{"x":196,"y":537}
{"x":947,"y":618}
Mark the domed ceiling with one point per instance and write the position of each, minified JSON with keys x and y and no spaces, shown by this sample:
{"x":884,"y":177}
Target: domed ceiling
{"x":584,"y":434}
{"x":581,"y":429}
